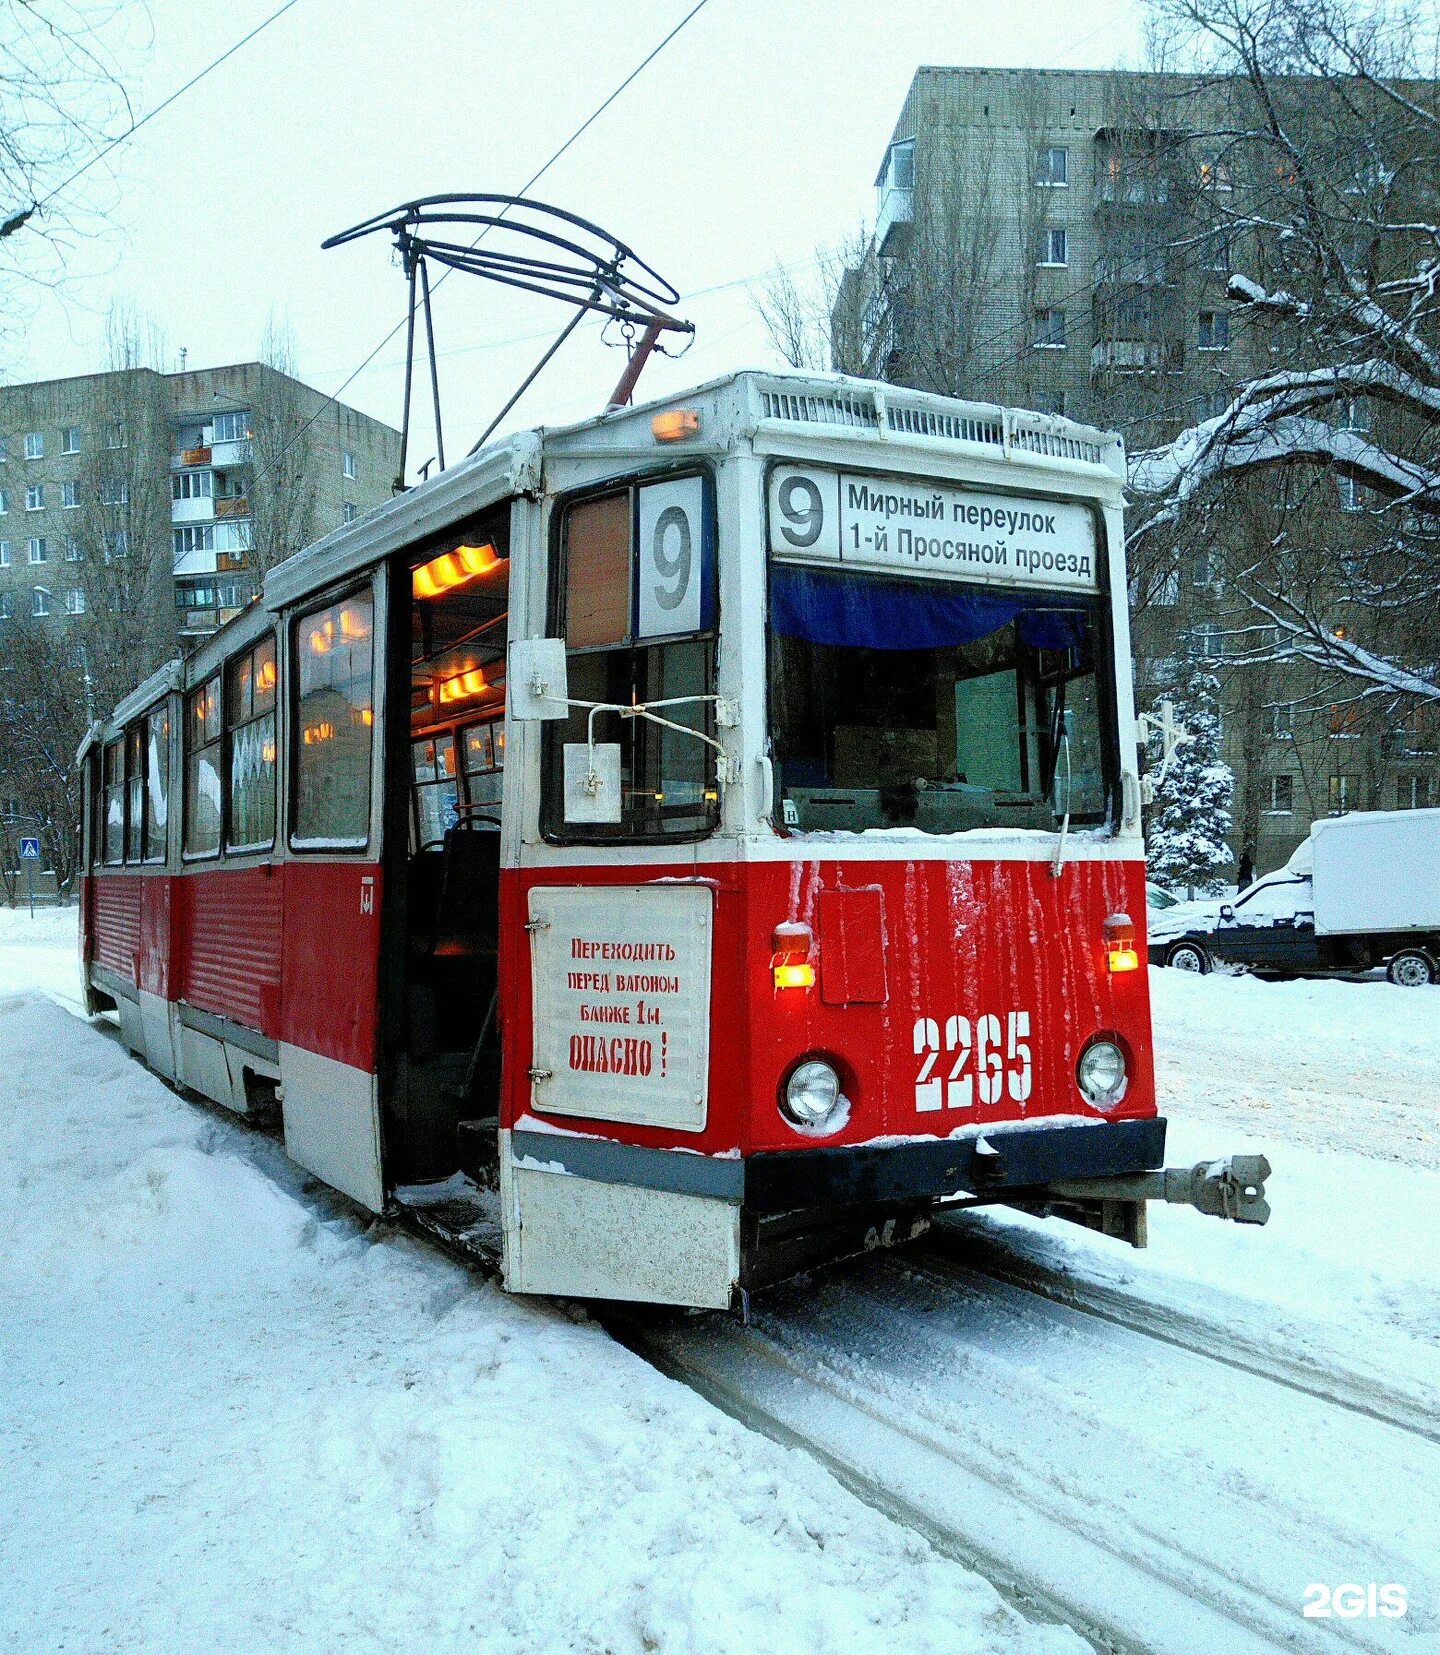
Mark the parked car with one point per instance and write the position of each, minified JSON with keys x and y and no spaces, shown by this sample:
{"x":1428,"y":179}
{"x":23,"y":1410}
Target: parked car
{"x":1362,"y":891}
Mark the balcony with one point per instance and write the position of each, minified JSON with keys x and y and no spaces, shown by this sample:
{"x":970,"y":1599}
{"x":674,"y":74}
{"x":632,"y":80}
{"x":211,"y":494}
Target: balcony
{"x":194,"y":456}
{"x":894,"y":219}
{"x":198,"y":510}
{"x":237,"y":505}
{"x":225,"y":454}
{"x":1137,"y":356}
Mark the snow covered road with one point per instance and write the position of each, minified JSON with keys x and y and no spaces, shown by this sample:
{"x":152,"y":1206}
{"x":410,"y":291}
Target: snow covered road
{"x":235,"y":1417}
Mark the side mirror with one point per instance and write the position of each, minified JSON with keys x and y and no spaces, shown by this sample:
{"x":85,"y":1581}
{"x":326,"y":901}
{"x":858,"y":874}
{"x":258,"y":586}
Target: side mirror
{"x":1227,"y":911}
{"x":537,"y":683}
{"x":592,"y":781}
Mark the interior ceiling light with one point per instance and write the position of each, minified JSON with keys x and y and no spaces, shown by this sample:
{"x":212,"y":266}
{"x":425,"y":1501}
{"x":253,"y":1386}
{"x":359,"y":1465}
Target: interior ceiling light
{"x":463,"y":685}
{"x":452,"y":569}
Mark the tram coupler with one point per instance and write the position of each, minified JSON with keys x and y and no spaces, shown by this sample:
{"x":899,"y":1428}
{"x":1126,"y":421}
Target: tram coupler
{"x":1231,"y":1187}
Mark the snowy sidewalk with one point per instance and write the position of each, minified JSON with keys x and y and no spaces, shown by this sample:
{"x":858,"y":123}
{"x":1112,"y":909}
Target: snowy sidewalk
{"x":232,"y":1419}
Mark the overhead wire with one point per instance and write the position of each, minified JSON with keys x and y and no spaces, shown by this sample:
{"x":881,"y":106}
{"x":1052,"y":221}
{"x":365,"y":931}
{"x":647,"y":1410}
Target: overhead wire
{"x":160,"y":108}
{"x":529,"y":184}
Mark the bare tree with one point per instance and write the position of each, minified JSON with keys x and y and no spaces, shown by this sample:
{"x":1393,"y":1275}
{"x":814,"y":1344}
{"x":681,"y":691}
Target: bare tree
{"x":282,"y":497}
{"x":1331,"y":147}
{"x":62,"y":99}
{"x":819,"y":324}
{"x":42,"y":718}
{"x":123,"y":541}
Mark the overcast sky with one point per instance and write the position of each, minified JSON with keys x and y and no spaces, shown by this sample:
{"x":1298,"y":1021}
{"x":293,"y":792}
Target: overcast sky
{"x":752,"y":139}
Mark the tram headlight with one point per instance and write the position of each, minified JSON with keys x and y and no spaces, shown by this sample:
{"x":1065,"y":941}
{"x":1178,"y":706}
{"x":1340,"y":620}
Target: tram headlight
{"x":811,"y":1099}
{"x":1102,"y":1074}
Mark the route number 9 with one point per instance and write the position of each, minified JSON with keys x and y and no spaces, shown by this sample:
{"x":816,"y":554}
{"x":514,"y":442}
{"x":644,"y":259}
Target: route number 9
{"x":670,"y":534}
{"x":804,"y":512}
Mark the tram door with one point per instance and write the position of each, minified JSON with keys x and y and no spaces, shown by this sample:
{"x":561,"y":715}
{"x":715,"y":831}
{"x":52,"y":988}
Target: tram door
{"x":448,"y":1069}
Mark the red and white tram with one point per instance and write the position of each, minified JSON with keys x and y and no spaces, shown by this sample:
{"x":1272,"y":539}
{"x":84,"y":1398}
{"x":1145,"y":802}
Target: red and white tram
{"x":721,"y":816}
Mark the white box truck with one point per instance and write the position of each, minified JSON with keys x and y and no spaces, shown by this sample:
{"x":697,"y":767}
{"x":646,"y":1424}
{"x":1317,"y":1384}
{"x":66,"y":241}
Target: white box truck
{"x":1362,"y":891}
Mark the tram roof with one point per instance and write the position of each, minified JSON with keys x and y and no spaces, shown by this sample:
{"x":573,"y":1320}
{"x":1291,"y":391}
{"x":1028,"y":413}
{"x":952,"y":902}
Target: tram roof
{"x":828,"y":407}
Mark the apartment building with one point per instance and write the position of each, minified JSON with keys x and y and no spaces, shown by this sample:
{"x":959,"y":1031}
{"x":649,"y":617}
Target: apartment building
{"x":1063,"y":240}
{"x":191,"y":484}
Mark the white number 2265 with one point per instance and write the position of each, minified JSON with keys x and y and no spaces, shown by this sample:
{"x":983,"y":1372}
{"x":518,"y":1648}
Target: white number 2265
{"x":947,"y":1079}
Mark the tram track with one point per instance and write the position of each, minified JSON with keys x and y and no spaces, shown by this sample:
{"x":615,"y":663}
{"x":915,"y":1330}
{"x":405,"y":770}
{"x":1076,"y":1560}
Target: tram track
{"x":961,"y":1254}
{"x":1124,"y":1579}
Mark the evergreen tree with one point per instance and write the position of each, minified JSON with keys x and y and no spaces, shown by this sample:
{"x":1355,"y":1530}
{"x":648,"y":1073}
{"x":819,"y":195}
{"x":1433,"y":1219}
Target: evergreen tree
{"x":1189,"y":821}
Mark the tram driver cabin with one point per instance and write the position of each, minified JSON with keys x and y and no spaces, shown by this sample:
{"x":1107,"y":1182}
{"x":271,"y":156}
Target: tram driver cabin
{"x":714,"y":824}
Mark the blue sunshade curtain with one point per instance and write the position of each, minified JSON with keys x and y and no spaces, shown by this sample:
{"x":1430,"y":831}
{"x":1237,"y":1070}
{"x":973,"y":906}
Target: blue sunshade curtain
{"x":870,"y":612}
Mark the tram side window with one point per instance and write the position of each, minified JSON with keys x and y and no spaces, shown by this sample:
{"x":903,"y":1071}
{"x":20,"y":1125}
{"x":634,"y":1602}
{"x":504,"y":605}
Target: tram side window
{"x":250,"y":681}
{"x":157,"y":783}
{"x":636,"y":603}
{"x":437,"y":788}
{"x":334,"y":720}
{"x":134,"y":791}
{"x":115,"y":803}
{"x":202,"y":769}
{"x":484,"y":769}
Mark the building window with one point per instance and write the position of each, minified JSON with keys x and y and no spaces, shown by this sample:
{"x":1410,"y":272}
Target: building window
{"x":70,"y":494}
{"x":1214,"y":330}
{"x":1282,"y":719}
{"x":348,"y":512}
{"x":192,"y":485}
{"x":5,"y":554}
{"x":1414,"y":792}
{"x":40,"y":601}
{"x":70,"y":440}
{"x":1215,"y":175}
{"x":7,"y":606}
{"x":74,"y":601}
{"x":4,"y":501}
{"x":232,"y":427}
{"x":1055,"y":248}
{"x":114,"y":491}
{"x":202,"y":769}
{"x":74,"y":552}
{"x":4,"y":450}
{"x":898,"y":173}
{"x":1049,"y":402}
{"x":1344,"y":794}
{"x":1053,"y":169}
{"x":347,"y":464}
{"x":1205,"y":643}
{"x":115,"y":434}
{"x":34,"y":497}
{"x":37,"y":549}
{"x":34,"y":445}
{"x":1050,"y":330}
{"x":250,"y":682}
{"x":334,"y":719}
{"x":1345,"y":722}
{"x":193,"y":537}
{"x":116,"y":545}
{"x":1281,"y":794}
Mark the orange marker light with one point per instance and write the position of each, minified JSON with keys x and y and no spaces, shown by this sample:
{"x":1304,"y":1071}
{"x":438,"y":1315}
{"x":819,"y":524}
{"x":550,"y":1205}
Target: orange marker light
{"x":791,"y":961}
{"x":1118,"y":933}
{"x":675,"y":424}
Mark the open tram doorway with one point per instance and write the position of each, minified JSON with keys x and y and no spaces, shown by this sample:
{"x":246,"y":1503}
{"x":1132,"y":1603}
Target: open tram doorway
{"x":450,"y":756}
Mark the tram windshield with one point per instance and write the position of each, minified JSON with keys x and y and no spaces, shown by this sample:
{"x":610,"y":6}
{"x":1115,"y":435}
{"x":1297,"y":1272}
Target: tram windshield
{"x":934,"y":705}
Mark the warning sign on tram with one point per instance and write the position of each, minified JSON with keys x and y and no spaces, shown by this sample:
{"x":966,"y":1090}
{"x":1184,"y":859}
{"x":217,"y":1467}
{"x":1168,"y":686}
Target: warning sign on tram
{"x":621,"y":978}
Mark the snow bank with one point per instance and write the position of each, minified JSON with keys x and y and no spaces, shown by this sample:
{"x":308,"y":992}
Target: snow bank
{"x":235,"y":1417}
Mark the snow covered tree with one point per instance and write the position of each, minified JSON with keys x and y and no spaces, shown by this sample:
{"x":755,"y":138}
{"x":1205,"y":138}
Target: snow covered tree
{"x":1319,"y":184}
{"x":1187,"y":825}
